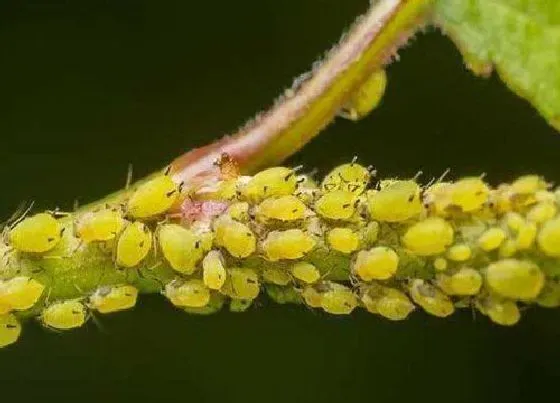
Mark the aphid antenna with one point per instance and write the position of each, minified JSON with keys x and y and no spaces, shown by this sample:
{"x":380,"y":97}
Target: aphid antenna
{"x":19,"y":214}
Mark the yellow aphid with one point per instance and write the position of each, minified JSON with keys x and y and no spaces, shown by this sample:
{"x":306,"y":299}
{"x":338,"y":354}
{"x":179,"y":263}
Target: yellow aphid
{"x":469,"y":194}
{"x":459,"y":253}
{"x":289,"y":244}
{"x":508,"y":248}
{"x":431,"y":299}
{"x":305,"y":272}
{"x":101,"y":225}
{"x":389,"y":303}
{"x":336,"y":205}
{"x":38,"y":233}
{"x":236,"y":237}
{"x":349,"y":177}
{"x":437,"y":198}
{"x":276,"y":276}
{"x":343,"y":240}
{"x":550,"y":294}
{"x":367,"y":97}
{"x":526,"y":236}
{"x":242,"y":283}
{"x":240,"y":305}
{"x":133,"y":245}
{"x":466,"y":281}
{"x":239,"y":211}
{"x":284,"y":208}
{"x":370,"y":233}
{"x":109,"y":299}
{"x":10,"y":329}
{"x":491,"y":239}
{"x":502,"y":312}
{"x":20,"y":293}
{"x":378,"y":263}
{"x":542,"y":212}
{"x":395,"y":202}
{"x":213,"y":271}
{"x":64,"y":315}
{"x":514,"y":221}
{"x":187,"y":293}
{"x":339,"y":300}
{"x":272,"y":182}
{"x":180,"y":246}
{"x":153,"y":198}
{"x":549,"y":238}
{"x":440,"y":264}
{"x":428,"y":237}
{"x":312,"y":297}
{"x":513,"y":278}
{"x":528,"y":184}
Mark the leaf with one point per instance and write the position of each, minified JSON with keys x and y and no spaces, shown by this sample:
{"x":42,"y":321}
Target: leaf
{"x":520,"y":38}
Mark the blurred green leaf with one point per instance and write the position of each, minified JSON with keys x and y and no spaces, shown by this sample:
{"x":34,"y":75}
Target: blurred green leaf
{"x":519,"y":38}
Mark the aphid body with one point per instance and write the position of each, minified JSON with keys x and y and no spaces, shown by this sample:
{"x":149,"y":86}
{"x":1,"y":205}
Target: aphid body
{"x":20,"y":293}
{"x":64,"y":315}
{"x":102,"y":225}
{"x":36,"y":234}
{"x":180,"y":246}
{"x":396,"y":201}
{"x":10,"y":329}
{"x":109,"y":299}
{"x":133,"y":244}
{"x":153,"y":198}
{"x":289,"y":244}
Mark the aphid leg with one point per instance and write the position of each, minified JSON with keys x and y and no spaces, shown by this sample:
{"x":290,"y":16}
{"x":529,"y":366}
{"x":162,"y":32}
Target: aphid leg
{"x":128,"y":177}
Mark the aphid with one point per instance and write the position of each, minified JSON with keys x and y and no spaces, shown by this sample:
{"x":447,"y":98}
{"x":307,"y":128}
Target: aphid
{"x":469,"y":194}
{"x":305,"y":272}
{"x":276,"y":276}
{"x":491,"y":239}
{"x":440,"y":264}
{"x":272,"y":182}
{"x":242,"y":283}
{"x":236,"y":237}
{"x":153,"y":197}
{"x":338,"y":300}
{"x":36,"y":234}
{"x":64,"y":315}
{"x":502,"y":312}
{"x":370,"y":233}
{"x":10,"y":329}
{"x":428,"y":237}
{"x":289,"y":244}
{"x":239,"y":211}
{"x":351,"y":177}
{"x":459,"y":253}
{"x":437,"y":198}
{"x":526,"y":236}
{"x":20,"y":293}
{"x":133,"y":244}
{"x":102,"y":225}
{"x":187,"y":293}
{"x":431,"y":299}
{"x":466,"y":281}
{"x":396,"y":201}
{"x":109,"y":299}
{"x":378,"y":263}
{"x":367,"y":97}
{"x":549,"y":238}
{"x":284,"y":208}
{"x":508,"y":248}
{"x":312,"y":297}
{"x":240,"y":305}
{"x":180,"y":246}
{"x":528,"y":184}
{"x":514,"y":221}
{"x":388,"y":302}
{"x":213,"y":271}
{"x":513,"y":278}
{"x":542,"y":212}
{"x":336,"y":205}
{"x":550,"y":294}
{"x":343,"y":240}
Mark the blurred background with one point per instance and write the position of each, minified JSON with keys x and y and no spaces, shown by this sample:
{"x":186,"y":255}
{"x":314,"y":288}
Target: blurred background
{"x":87,"y":87}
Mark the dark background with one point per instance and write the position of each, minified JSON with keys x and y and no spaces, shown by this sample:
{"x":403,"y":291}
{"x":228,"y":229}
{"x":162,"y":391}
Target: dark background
{"x":87,"y":87}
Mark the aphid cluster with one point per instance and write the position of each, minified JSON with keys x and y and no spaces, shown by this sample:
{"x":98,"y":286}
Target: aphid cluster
{"x":340,"y":244}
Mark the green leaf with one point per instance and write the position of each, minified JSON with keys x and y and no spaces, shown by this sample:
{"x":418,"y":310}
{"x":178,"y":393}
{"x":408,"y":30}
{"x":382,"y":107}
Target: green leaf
{"x":520,"y":38}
